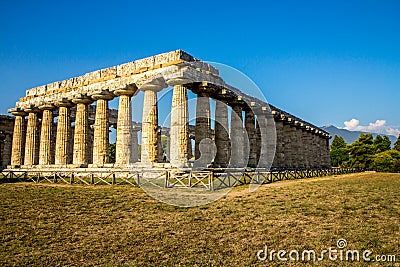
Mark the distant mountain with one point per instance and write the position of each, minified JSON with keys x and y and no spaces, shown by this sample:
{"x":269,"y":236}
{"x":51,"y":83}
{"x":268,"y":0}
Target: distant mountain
{"x":350,"y":136}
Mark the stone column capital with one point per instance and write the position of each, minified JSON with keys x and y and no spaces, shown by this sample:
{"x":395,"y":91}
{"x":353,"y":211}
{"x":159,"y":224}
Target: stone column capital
{"x":47,"y":106}
{"x":32,"y":109}
{"x":64,"y":103}
{"x":17,"y":112}
{"x":82,"y":99}
{"x":129,"y":90}
{"x":155,"y":85}
{"x":103,"y":95}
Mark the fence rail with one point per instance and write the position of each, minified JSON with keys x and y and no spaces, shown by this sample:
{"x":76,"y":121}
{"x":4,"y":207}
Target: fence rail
{"x":210,"y":179}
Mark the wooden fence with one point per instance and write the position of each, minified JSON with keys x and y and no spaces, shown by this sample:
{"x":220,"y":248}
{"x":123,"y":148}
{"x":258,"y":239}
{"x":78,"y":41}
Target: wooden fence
{"x":210,"y":179}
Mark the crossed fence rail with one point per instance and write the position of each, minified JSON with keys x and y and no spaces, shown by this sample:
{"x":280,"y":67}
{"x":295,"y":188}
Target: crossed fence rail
{"x":210,"y":179}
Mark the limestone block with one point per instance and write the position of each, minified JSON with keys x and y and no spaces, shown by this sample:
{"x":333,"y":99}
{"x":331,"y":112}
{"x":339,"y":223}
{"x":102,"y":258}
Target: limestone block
{"x":109,"y":73}
{"x":144,"y":64}
{"x":126,"y":69}
{"x":67,"y":83}
{"x":51,"y":87}
{"x":165,"y":58}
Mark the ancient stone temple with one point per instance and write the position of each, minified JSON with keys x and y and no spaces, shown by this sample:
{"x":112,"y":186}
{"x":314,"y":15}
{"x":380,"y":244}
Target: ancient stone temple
{"x":58,"y":126}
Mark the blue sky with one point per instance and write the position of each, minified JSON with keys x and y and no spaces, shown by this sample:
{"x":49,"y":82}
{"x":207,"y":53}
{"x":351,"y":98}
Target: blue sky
{"x":327,"y":62}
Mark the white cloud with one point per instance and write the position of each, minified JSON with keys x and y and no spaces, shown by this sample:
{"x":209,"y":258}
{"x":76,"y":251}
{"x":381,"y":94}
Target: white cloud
{"x":393,"y":131}
{"x":374,"y":127}
{"x":352,"y":125}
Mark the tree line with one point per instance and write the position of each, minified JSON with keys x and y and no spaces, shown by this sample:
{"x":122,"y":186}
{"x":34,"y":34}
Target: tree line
{"x":366,"y":153}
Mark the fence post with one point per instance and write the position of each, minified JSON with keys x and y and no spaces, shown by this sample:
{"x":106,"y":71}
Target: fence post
{"x":113,"y":178}
{"x":211,"y":180}
{"x":166,"y":185}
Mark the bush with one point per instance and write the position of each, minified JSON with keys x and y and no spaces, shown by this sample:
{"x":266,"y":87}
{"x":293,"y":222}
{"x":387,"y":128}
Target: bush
{"x":388,"y":161}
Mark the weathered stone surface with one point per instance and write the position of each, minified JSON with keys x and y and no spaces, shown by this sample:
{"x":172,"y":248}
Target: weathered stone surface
{"x":179,"y":127}
{"x":63,"y":138}
{"x":305,"y":148}
{"x":81,"y":151}
{"x":45,"y":157}
{"x":267,"y":142}
{"x":135,"y":146}
{"x":101,"y":129}
{"x":203,"y":156}
{"x":17,"y":153}
{"x":238,"y":156}
{"x":287,"y":135}
{"x":160,"y":150}
{"x":32,"y":138}
{"x":124,"y":130}
{"x":222,"y":140}
{"x":6,"y":133}
{"x":251,"y":136}
{"x":149,"y":128}
{"x":280,"y":156}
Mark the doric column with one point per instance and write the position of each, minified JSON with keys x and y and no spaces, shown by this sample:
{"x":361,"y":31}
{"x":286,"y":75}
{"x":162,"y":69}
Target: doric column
{"x":101,"y":128}
{"x":268,"y":139}
{"x":327,"y":153}
{"x":318,"y":149}
{"x":63,"y":137}
{"x":168,"y":146}
{"x":299,"y":162}
{"x":249,"y":122}
{"x":90,"y":143}
{"x":288,"y":136}
{"x":189,"y":148}
{"x":203,"y":124}
{"x":179,"y":127}
{"x":294,"y":146}
{"x":314,"y":149}
{"x":160,"y":150}
{"x":135,"y":146}
{"x":81,"y":138}
{"x":237,"y":138}
{"x":221,"y":131}
{"x":124,"y":126}
{"x":203,"y":156}
{"x":305,"y":148}
{"x":150,"y":127}
{"x":310,"y":139}
{"x":17,"y":152}
{"x":45,"y":157}
{"x":279,"y":160}
{"x":32,"y":137}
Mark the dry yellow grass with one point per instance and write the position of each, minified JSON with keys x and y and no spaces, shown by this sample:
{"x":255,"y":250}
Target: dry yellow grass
{"x":47,"y":224}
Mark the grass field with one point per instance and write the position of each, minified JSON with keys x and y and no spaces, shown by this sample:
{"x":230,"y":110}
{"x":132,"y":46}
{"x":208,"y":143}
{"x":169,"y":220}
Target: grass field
{"x":48,"y":224}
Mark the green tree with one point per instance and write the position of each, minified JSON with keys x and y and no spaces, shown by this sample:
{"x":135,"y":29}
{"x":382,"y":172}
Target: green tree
{"x":362,"y":152}
{"x":339,"y":152}
{"x":387,"y":161}
{"x":111,"y":153}
{"x":382,"y":144}
{"x":397,"y":144}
